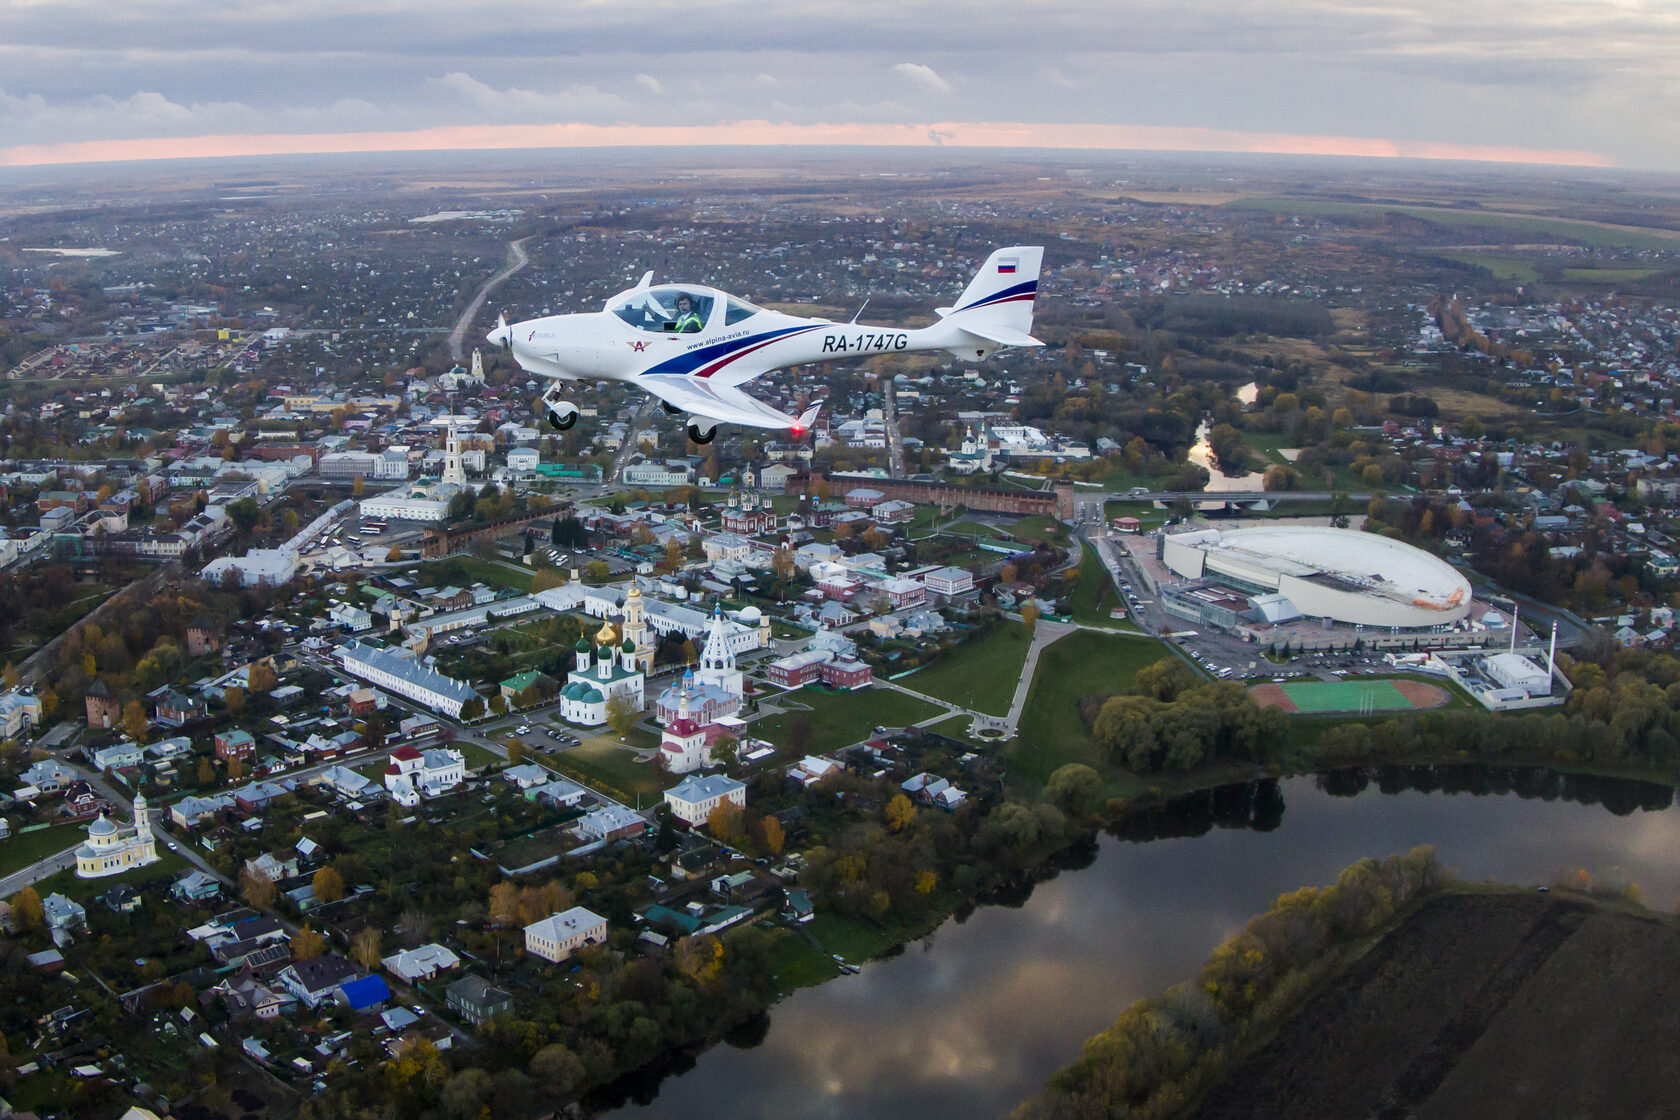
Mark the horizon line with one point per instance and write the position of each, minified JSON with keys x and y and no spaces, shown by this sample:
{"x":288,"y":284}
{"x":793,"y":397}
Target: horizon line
{"x":760,"y":133}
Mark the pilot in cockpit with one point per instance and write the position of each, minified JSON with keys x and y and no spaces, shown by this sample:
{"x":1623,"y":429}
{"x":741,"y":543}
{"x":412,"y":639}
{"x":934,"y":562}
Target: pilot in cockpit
{"x":688,"y":320}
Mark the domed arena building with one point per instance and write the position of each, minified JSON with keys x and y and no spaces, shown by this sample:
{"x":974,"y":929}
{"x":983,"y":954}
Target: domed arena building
{"x":1276,"y":574}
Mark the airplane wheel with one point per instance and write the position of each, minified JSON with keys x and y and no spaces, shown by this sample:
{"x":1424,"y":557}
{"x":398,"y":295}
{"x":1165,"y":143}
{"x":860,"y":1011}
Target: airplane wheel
{"x":702,"y":437}
{"x":561,"y":425}
{"x":670,"y":409}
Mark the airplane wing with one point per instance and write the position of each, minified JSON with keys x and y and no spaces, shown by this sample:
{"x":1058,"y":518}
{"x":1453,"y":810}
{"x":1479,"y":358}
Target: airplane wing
{"x":704,"y":397}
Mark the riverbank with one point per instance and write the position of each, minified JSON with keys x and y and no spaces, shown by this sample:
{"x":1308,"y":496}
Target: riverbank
{"x":1474,"y":1001}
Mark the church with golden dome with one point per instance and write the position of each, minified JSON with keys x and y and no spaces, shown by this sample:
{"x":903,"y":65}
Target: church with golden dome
{"x":112,"y":849}
{"x":611,"y":665}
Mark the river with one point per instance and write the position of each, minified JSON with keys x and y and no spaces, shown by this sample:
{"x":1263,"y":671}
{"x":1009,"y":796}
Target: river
{"x":971,"y":1020}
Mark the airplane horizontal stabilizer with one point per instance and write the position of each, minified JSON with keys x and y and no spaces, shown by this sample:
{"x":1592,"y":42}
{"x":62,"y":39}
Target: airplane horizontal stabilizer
{"x":1001,"y":334}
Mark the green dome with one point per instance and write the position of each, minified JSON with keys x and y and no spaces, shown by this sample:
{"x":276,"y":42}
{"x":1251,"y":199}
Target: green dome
{"x":582,"y":645}
{"x":593,"y":696}
{"x":629,"y":646}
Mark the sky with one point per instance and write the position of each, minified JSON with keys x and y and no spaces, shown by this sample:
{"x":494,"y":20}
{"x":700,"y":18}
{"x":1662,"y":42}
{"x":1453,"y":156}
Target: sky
{"x":1589,"y":82}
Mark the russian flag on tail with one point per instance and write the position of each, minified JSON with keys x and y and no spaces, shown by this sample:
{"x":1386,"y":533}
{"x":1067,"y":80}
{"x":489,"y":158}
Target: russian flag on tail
{"x":1006,"y":264}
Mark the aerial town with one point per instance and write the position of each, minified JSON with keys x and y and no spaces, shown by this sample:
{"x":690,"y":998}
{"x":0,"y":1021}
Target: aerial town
{"x":371,"y":747}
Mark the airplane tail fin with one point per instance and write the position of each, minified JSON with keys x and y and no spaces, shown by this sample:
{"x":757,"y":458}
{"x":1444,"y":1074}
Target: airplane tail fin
{"x":806,"y":419}
{"x":997,"y":305}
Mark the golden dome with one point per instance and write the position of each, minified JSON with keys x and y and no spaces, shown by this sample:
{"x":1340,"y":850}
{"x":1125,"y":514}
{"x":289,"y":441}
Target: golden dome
{"x":606,"y":635}
{"x":634,"y":593}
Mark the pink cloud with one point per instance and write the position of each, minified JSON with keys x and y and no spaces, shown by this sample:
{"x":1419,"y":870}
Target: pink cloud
{"x":766,"y":133}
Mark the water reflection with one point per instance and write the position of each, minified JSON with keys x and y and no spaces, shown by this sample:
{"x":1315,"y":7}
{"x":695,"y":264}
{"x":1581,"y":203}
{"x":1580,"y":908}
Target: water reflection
{"x":1004,"y":997}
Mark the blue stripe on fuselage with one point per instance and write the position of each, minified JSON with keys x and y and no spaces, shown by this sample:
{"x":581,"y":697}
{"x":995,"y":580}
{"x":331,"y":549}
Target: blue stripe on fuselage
{"x":692,"y":360}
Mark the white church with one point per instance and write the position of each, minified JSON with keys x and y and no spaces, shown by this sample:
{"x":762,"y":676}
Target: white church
{"x":112,"y":849}
{"x":713,"y":692}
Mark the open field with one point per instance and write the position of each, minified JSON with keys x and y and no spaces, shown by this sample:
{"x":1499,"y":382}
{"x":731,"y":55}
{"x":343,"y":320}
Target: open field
{"x":979,"y":674}
{"x":1081,"y":664}
{"x":613,"y":766}
{"x":22,"y":849}
{"x":1503,"y":267}
{"x":1481,"y":1004}
{"x":1534,"y":229}
{"x":839,"y":719}
{"x":1349,"y":696}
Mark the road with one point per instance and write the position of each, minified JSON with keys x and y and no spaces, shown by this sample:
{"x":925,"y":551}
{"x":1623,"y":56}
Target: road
{"x":516,"y":251}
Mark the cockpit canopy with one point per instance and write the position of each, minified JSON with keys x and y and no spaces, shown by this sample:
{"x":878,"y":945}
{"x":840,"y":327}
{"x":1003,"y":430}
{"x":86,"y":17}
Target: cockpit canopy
{"x":679,"y":309}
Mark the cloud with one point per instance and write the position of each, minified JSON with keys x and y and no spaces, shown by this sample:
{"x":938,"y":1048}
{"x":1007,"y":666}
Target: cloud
{"x":925,"y":76}
{"x":575,"y":102}
{"x":649,"y":82}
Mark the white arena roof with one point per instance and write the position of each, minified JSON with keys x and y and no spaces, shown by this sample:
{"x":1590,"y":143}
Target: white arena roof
{"x":1341,"y":574}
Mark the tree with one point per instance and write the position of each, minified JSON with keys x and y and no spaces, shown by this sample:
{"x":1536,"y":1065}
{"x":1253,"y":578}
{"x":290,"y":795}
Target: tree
{"x":774,"y":836}
{"x":257,"y":890}
{"x":516,"y":752}
{"x":244,"y":514}
{"x":557,"y":1069}
{"x":901,"y":813}
{"x":328,"y":884}
{"x":622,"y":712}
{"x":724,"y":821}
{"x":234,"y":698}
{"x":306,"y":943}
{"x":367,"y":948}
{"x":782,"y":563}
{"x":498,"y":705}
{"x":134,"y":720}
{"x":1029,"y":617}
{"x":206,"y":772}
{"x":26,"y":910}
{"x":11,"y":676}
{"x":504,"y":904}
{"x":260,"y":676}
{"x":235,"y":769}
{"x":1075,"y":788}
{"x":472,"y":709}
{"x":597,"y":571}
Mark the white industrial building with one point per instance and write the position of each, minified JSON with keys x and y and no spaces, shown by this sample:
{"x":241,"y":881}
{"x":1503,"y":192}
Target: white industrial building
{"x":1339,"y":575}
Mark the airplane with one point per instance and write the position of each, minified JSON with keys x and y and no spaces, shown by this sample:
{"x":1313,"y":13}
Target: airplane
{"x":693,"y":347}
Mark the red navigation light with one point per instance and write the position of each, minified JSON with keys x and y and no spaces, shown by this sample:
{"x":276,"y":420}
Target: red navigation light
{"x":797,"y":430}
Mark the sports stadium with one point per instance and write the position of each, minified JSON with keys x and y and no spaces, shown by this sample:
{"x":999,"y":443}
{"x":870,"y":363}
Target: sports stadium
{"x":1338,"y":575}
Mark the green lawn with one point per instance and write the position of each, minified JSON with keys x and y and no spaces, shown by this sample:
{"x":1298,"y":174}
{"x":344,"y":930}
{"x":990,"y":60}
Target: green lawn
{"x":22,"y":849}
{"x":611,"y":765}
{"x":1503,"y":267}
{"x":796,"y":963}
{"x":852,"y":940}
{"x":496,"y":573}
{"x":168,"y":867}
{"x":1083,"y":663}
{"x":841,"y":719}
{"x":1094,"y":595}
{"x":980,"y":674}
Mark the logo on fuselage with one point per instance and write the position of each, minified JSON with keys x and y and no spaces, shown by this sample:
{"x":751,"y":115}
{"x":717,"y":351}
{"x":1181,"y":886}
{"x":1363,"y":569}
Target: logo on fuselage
{"x":638,"y":347}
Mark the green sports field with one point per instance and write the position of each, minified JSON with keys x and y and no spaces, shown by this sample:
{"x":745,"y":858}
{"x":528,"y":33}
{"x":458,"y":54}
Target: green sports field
{"x":1349,"y":696}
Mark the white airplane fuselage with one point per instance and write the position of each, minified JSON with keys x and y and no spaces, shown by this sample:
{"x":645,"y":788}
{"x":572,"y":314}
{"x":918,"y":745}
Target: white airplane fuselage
{"x":691,"y":345}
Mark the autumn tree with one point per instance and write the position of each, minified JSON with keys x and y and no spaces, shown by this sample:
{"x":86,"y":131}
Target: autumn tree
{"x":257,"y":890}
{"x":367,"y":948}
{"x":206,"y":772}
{"x":234,"y":698}
{"x":1075,"y":788}
{"x":1029,"y":617}
{"x":328,"y":884}
{"x":504,"y":904}
{"x":774,"y":836}
{"x":622,"y":712}
{"x":134,"y":720}
{"x":724,"y":822}
{"x":261,"y":677}
{"x":901,"y":813}
{"x":306,"y":943}
{"x":515,"y":752}
{"x":26,"y":910}
{"x":782,"y":563}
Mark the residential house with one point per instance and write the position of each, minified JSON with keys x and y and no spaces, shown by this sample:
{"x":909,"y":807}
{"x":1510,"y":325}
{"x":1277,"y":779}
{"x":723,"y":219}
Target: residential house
{"x":477,"y":1000}
{"x":412,"y":965}
{"x":235,"y":743}
{"x":317,"y":979}
{"x":558,"y":936}
{"x":693,"y":799}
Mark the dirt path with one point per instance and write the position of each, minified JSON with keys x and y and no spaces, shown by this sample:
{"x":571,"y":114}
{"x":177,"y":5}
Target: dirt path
{"x":516,"y":261}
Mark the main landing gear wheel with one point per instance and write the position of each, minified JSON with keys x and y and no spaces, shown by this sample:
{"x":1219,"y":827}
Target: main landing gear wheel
{"x":559,"y":422}
{"x":702,"y":435}
{"x":670,"y":409}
